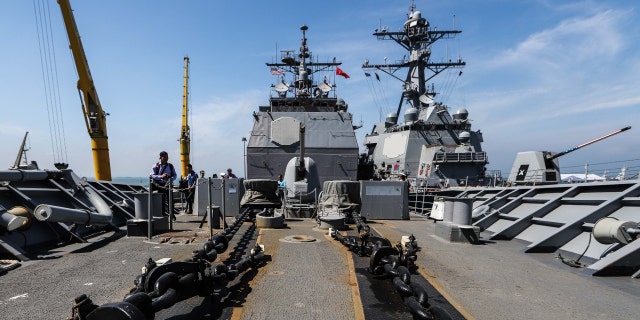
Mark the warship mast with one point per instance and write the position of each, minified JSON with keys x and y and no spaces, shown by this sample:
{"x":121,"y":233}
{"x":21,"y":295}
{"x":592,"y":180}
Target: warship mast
{"x":417,"y":38}
{"x":304,"y":117}
{"x":303,"y":68}
{"x":430,"y":146}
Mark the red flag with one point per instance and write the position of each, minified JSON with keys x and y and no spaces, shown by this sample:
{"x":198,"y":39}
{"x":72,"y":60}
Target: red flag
{"x":341,"y":73}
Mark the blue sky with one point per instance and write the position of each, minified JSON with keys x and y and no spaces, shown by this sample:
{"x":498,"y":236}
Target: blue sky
{"x":540,"y":75}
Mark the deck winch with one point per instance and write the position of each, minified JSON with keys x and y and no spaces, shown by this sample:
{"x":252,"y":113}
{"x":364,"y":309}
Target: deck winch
{"x":610,"y":230}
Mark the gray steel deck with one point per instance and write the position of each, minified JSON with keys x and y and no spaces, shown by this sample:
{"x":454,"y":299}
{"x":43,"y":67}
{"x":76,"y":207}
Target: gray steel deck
{"x":514,"y":273}
{"x":497,"y":280}
{"x":309,"y":279}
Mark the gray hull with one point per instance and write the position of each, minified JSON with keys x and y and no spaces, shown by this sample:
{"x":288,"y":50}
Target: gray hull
{"x":329,"y":140}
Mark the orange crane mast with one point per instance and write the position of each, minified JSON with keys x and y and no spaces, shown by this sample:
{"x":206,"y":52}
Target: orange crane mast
{"x":94,"y":116}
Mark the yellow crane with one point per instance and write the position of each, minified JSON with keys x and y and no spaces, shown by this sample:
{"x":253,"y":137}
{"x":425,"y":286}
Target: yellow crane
{"x":185,"y":139}
{"x":94,"y":117}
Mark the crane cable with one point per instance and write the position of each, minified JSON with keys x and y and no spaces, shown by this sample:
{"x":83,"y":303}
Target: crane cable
{"x":49,"y":68}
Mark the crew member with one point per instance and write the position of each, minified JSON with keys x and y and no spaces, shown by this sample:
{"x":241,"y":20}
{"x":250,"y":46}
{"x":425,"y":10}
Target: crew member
{"x":163,"y":174}
{"x":230,"y":174}
{"x":192,"y":180}
{"x":282,"y":186}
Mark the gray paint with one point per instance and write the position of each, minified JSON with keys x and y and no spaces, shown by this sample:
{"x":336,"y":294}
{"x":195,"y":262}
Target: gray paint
{"x":432,"y":147}
{"x":309,"y":100}
{"x":384,"y":200}
{"x":329,"y":140}
{"x":559,"y":219}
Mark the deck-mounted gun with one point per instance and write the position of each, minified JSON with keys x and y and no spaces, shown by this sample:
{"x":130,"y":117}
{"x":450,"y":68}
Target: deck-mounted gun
{"x":301,"y":175}
{"x":541,"y":167}
{"x":301,"y":170}
{"x":557,"y":155}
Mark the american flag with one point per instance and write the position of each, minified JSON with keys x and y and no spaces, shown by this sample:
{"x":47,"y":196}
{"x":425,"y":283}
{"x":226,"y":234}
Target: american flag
{"x":276,"y":71}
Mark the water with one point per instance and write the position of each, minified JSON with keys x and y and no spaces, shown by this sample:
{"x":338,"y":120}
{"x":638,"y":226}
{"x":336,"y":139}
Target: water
{"x":131,"y":180}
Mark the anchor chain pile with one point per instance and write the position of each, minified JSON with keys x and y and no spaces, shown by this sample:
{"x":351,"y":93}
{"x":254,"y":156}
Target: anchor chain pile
{"x":394,"y":262}
{"x":162,"y":286}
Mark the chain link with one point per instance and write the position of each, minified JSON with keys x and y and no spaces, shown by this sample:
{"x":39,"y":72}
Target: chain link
{"x":396,"y":262}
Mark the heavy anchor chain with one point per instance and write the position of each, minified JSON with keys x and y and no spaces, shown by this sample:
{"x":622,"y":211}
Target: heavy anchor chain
{"x":394,"y":262}
{"x":162,"y":286}
{"x":389,"y":261}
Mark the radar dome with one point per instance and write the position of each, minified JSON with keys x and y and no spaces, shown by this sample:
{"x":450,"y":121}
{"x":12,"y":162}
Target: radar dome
{"x":411,"y":115}
{"x":461,"y":114}
{"x":342,"y":105}
{"x":464,"y":137}
{"x":392,"y":117}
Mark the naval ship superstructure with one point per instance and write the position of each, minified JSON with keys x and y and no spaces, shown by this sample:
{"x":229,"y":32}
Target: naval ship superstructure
{"x":432,"y":147}
{"x":575,"y":250}
{"x":304,"y":120}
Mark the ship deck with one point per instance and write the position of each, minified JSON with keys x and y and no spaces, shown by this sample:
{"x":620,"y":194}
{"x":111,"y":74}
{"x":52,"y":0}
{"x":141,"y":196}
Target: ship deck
{"x":309,"y":275}
{"x":497,"y":280}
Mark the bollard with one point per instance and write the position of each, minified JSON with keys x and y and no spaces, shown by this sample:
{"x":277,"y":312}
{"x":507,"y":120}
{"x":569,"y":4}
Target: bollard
{"x":449,"y":203}
{"x":462,"y":211}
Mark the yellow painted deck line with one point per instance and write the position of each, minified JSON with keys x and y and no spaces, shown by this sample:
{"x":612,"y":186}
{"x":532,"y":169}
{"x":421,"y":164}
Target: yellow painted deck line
{"x":451,"y":300}
{"x":358,"y":310}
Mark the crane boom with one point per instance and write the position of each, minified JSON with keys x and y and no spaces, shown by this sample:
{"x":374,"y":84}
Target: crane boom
{"x":185,"y":139}
{"x":21,"y":152}
{"x":94,"y":116}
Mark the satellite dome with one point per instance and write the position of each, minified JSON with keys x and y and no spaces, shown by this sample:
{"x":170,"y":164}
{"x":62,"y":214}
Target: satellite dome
{"x":464,"y":137}
{"x":411,"y":115}
{"x":281,"y":87}
{"x":392,"y":117}
{"x":461,"y":114}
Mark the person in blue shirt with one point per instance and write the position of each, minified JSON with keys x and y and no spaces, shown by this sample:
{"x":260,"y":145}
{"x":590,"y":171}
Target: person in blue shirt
{"x":163,"y":174}
{"x":230,"y":174}
{"x":192,"y":179}
{"x":282,"y":186}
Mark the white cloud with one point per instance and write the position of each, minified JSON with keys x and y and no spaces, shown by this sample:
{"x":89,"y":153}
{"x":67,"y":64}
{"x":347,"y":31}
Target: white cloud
{"x":217,"y":127}
{"x":571,"y":42}
{"x":559,"y":87}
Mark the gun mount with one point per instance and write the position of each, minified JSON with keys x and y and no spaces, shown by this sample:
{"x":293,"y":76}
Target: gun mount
{"x":557,"y":155}
{"x":542,"y":167}
{"x":301,"y":170}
